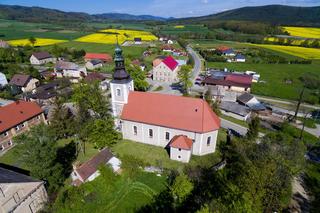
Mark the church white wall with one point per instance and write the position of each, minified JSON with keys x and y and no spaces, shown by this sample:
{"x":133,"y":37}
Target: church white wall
{"x":181,"y":155}
{"x":159,"y":133}
{"x":118,"y":101}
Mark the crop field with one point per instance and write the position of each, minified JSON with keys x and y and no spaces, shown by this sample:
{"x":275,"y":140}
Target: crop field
{"x":305,"y":32}
{"x":39,"y":42}
{"x":302,"y":52}
{"x":296,"y":42}
{"x":109,"y":36}
{"x":179,"y":26}
{"x":178,"y":29}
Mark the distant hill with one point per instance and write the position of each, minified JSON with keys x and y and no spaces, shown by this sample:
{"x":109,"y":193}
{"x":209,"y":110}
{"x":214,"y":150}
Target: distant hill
{"x":38,"y":14}
{"x":125,"y":16}
{"x":274,"y":14}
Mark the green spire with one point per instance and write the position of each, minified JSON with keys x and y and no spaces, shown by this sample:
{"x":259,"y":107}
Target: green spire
{"x":118,"y":52}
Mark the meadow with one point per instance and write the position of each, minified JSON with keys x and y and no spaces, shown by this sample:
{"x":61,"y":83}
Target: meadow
{"x":275,"y":76}
{"x":180,"y":29}
{"x":38,"y":42}
{"x":304,"y":32}
{"x":302,"y":52}
{"x":109,"y":36}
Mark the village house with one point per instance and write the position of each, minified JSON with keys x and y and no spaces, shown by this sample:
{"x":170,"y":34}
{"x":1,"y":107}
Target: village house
{"x":16,"y":118}
{"x":24,"y":82}
{"x":44,"y":94}
{"x":3,"y":80}
{"x":70,"y":70}
{"x":230,"y":81}
{"x":94,"y":64}
{"x":105,"y":58}
{"x":88,"y":171}
{"x":20,"y":193}
{"x":240,"y":58}
{"x":40,"y":58}
{"x":4,"y":44}
{"x":165,"y":70}
{"x":156,"y":119}
{"x":102,"y":78}
{"x":137,"y":41}
{"x":226,"y":51}
{"x":235,"y":110}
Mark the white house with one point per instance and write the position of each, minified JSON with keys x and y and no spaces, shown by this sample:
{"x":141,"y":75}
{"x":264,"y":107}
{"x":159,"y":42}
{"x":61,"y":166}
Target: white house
{"x":240,"y":58}
{"x":88,"y":171}
{"x":25,"y":82}
{"x":40,"y":58}
{"x":156,"y":119}
{"x":94,"y":64}
{"x":166,"y":70}
{"x":69,"y":70}
{"x":3,"y":80}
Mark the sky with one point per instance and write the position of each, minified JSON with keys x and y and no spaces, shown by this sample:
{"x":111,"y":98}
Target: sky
{"x":164,"y":8}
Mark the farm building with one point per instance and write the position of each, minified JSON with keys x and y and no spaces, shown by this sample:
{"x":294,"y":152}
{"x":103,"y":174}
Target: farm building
{"x":230,"y":81}
{"x":105,"y":58}
{"x":240,"y":58}
{"x":235,"y":110}
{"x":226,"y":51}
{"x":88,"y":171}
{"x":137,"y":40}
{"x":40,"y":58}
{"x":165,"y":70}
{"x":69,"y":70}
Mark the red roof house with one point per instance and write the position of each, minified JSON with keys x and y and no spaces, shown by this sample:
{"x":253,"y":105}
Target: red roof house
{"x":183,"y":113}
{"x":98,"y":56}
{"x":18,"y":112}
{"x":170,"y":62}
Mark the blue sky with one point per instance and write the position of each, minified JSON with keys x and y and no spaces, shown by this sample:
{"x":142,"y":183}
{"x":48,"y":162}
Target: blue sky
{"x":165,"y":8}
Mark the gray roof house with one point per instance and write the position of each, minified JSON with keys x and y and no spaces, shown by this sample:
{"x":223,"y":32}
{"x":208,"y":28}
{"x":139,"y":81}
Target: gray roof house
{"x":20,"y":193}
{"x":235,"y":110}
{"x":250,"y":101}
{"x":3,"y":80}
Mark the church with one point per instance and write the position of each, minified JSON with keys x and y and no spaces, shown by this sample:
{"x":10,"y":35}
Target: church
{"x":186,"y":126}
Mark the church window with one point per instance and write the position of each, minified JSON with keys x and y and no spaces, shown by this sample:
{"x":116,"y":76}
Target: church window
{"x":208,"y":141}
{"x":135,"y":130}
{"x":167,"y":136}
{"x":150,"y":133}
{"x":118,"y":92}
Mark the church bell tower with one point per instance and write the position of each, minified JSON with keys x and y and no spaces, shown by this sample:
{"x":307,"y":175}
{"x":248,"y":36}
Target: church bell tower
{"x":121,"y":84}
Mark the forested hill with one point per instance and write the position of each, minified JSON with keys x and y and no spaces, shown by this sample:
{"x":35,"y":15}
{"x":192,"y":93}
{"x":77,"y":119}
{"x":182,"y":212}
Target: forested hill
{"x":38,"y":14}
{"x":274,"y":14}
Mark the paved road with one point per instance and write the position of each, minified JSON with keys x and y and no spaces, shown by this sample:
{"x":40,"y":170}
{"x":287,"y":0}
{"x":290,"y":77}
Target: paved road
{"x":197,"y":63}
{"x":236,"y":127}
{"x":286,"y":102}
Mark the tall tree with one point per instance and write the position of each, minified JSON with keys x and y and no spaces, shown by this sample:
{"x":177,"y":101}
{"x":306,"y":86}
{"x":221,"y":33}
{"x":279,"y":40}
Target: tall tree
{"x":139,"y":77}
{"x":181,"y":188}
{"x":185,"y":75}
{"x":39,"y":153}
{"x":253,"y":131}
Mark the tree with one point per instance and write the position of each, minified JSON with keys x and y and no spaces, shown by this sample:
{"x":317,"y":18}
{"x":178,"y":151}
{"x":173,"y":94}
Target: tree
{"x":32,"y":40}
{"x":213,"y":104}
{"x":185,"y":75}
{"x":39,"y":153}
{"x":181,"y":188}
{"x":139,"y":77}
{"x":101,"y":132}
{"x":62,"y":123}
{"x":253,"y":130}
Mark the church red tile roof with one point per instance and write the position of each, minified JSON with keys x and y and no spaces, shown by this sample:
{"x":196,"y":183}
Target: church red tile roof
{"x":181,"y":142}
{"x":170,"y":62}
{"x":184,"y":113}
{"x":13,"y":114}
{"x":99,"y":56}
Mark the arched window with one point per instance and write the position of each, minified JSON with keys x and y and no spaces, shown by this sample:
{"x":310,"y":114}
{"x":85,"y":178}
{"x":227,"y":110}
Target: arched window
{"x":118,"y":92}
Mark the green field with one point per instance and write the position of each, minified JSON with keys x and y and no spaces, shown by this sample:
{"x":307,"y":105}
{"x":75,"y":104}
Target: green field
{"x":172,"y":30}
{"x":275,"y":76}
{"x":121,"y":194}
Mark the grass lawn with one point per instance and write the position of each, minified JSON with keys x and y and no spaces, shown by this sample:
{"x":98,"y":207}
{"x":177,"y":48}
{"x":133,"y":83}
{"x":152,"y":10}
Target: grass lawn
{"x":122,"y":194}
{"x":275,"y":75}
{"x":158,"y":156}
{"x":11,"y":157}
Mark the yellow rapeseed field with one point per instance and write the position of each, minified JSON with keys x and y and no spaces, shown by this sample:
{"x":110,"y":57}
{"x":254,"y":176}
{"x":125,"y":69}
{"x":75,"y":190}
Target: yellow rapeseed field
{"x":296,"y":42}
{"x":39,"y":42}
{"x":109,"y":36}
{"x":305,"y":32}
{"x":306,"y":53}
{"x":179,"y":26}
